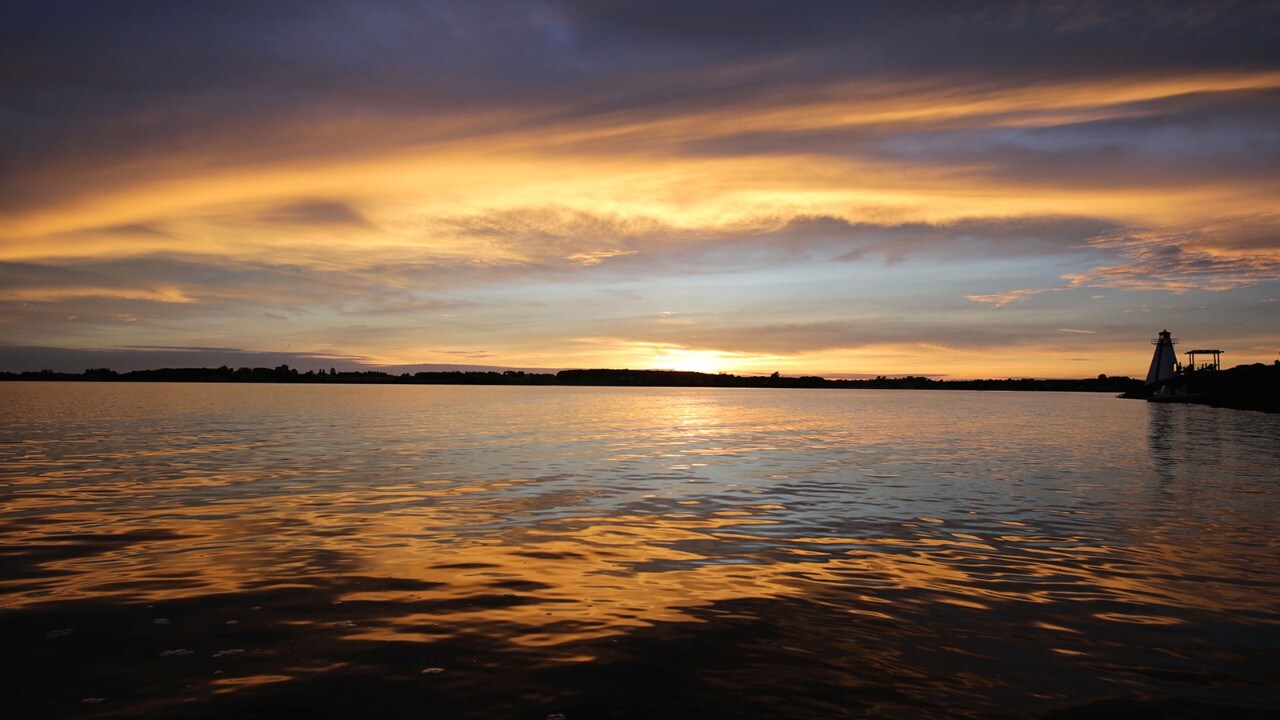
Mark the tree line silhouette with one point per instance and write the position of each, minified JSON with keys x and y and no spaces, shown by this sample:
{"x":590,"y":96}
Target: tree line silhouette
{"x":596,"y":377}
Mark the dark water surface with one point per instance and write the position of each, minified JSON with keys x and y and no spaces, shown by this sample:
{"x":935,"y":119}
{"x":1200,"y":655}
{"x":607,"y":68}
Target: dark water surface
{"x":266,"y":551}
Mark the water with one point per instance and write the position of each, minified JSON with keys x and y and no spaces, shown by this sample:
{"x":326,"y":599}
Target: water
{"x":309,"y":551}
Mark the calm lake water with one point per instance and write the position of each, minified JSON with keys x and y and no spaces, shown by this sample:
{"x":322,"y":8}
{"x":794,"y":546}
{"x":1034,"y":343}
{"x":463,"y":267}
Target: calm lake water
{"x":282,"y":551}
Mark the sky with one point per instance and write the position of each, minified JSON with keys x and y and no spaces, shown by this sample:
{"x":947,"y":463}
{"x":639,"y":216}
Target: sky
{"x":846,"y":189}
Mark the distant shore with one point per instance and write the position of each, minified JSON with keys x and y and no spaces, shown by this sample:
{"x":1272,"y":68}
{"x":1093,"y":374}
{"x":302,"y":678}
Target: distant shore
{"x":598,"y":377}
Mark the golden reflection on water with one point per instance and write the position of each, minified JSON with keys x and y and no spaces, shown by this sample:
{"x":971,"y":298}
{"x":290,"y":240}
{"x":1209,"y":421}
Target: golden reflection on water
{"x":558,"y":519}
{"x":604,"y":573}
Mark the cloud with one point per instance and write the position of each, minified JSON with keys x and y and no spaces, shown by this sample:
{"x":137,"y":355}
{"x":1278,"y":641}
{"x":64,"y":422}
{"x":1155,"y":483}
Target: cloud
{"x":97,"y":97}
{"x":548,"y":236}
{"x":165,"y":292}
{"x":315,"y":212}
{"x":152,"y":294}
{"x":1027,"y":236}
{"x":1013,"y":37}
{"x":1218,"y":137}
{"x":1230,"y":254}
{"x":130,"y":229}
{"x":19,"y":358}
{"x":747,"y":337}
{"x":598,"y":256}
{"x":1000,"y":299}
{"x":39,"y":282}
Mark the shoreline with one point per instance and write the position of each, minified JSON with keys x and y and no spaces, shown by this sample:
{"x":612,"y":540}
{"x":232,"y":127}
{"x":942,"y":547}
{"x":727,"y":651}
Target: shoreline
{"x":576,"y":378}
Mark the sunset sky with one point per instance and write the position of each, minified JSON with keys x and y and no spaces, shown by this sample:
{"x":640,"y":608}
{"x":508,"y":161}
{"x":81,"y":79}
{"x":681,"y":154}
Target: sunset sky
{"x":836,"y":188}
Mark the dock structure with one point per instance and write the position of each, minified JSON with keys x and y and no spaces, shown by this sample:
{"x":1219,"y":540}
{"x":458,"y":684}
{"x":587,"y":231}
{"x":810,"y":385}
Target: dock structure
{"x":1164,"y":363}
{"x":1215,"y":365}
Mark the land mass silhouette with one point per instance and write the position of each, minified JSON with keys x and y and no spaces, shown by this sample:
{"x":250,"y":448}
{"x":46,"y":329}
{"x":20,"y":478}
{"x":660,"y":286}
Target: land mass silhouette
{"x":596,"y":377}
{"x":1244,"y":387}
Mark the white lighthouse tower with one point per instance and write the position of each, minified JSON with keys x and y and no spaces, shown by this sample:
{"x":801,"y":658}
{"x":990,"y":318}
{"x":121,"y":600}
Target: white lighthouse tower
{"x":1164,"y":364}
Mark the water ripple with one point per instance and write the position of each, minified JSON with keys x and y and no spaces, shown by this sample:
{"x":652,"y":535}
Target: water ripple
{"x":797,"y":554}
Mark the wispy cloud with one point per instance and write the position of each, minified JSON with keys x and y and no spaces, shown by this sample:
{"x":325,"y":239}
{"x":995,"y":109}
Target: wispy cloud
{"x":315,"y":212}
{"x":1216,"y":257}
{"x":1000,"y":299}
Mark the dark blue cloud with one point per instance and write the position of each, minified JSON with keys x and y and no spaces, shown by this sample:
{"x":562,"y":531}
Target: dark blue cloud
{"x":20,"y":358}
{"x":34,"y":358}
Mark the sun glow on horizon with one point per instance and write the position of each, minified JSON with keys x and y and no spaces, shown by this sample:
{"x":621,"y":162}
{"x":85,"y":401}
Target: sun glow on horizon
{"x":684,"y":360}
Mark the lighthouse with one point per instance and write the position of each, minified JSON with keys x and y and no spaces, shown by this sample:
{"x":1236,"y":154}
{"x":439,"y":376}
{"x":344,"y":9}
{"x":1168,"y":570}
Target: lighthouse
{"x":1164,"y":362}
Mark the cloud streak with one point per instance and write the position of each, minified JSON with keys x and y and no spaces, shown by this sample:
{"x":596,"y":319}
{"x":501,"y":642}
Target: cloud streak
{"x":1216,"y":257}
